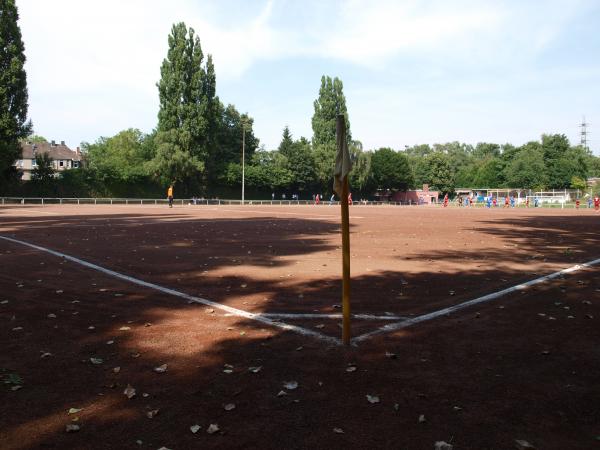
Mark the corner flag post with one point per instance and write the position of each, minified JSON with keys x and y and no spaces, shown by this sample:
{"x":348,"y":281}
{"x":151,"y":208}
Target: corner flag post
{"x":345,"y":264}
{"x":343,"y":166}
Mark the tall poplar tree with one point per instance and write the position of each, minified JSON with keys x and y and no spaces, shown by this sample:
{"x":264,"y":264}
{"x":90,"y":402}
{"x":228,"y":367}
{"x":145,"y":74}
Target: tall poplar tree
{"x":13,"y":90}
{"x":330,"y":103}
{"x":186,"y":93}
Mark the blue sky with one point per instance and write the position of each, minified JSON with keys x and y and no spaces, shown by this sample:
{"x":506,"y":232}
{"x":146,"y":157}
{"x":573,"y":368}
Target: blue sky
{"x":413,"y":71}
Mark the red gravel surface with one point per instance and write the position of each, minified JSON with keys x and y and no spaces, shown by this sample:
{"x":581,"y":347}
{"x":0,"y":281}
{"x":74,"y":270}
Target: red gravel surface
{"x":525,"y":366}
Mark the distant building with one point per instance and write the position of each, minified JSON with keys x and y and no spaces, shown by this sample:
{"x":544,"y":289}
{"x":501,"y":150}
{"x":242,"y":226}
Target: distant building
{"x":63,"y":158}
{"x":414,"y":197}
{"x":591,"y":182}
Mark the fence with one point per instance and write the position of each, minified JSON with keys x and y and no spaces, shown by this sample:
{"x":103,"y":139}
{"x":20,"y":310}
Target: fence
{"x":161,"y":201}
{"x":561,"y":203}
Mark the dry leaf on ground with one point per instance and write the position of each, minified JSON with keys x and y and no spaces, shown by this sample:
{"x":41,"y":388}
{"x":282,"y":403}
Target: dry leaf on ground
{"x":290,"y":385}
{"x":372,"y":398}
{"x":129,"y":391}
{"x":161,"y":369}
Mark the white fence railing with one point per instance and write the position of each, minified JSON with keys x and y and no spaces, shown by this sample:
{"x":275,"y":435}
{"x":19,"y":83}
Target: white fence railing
{"x":162,"y":201}
{"x":191,"y":202}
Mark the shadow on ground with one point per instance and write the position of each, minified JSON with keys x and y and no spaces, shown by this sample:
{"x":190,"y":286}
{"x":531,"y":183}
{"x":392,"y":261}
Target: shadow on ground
{"x":525,"y":371}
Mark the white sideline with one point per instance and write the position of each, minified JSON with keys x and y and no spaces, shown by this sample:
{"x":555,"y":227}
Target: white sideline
{"x":237,"y":312}
{"x":328,"y":316}
{"x":486,"y":298}
{"x":318,"y":216}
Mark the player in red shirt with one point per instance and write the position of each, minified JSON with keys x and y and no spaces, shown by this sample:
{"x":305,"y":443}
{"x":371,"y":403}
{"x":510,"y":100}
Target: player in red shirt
{"x":445,"y":200}
{"x":350,"y":198}
{"x":596,"y":203}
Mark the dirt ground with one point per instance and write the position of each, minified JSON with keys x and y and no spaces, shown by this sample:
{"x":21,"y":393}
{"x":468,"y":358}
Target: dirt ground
{"x":523,"y":367}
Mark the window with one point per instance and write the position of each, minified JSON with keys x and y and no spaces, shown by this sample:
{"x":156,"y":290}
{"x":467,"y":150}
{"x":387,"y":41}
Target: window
{"x":61,"y":163}
{"x":34,"y":162}
{"x":75,"y":164}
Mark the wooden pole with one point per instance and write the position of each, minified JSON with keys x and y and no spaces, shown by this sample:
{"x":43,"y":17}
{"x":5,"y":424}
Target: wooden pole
{"x":345,"y":264}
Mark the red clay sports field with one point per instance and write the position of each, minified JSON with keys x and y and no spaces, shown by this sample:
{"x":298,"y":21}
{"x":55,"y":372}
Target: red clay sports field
{"x":471,"y":326}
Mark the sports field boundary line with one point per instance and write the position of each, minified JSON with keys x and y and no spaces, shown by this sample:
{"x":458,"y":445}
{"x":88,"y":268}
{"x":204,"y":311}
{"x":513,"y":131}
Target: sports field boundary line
{"x":486,"y":298}
{"x":237,"y":312}
{"x":329,"y":316}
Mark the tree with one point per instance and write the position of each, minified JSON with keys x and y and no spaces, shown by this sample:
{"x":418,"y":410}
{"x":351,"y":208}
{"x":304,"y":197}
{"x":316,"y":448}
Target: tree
{"x":285,"y":147}
{"x":266,"y":170}
{"x":329,"y":104}
{"x":391,"y":170}
{"x":36,"y":139}
{"x":43,"y":171}
{"x":486,"y":173}
{"x":123,"y":157}
{"x":555,"y":148}
{"x":324,"y":157}
{"x":420,"y":150}
{"x":232,"y":127}
{"x":13,"y":91}
{"x":527,"y":169}
{"x":186,"y":94}
{"x":485,"y":150}
{"x":301,"y":165}
{"x":578,"y":183}
{"x":593,"y":164}
{"x":361,"y":176}
{"x":439,"y":173}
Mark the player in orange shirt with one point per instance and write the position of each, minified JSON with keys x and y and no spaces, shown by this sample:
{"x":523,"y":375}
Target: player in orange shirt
{"x":170,"y":195}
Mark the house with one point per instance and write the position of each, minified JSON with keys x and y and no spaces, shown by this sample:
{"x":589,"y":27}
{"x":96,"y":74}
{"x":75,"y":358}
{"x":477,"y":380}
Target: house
{"x":63,"y":158}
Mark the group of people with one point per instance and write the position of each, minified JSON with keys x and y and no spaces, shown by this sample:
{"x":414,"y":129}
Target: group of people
{"x":317,"y":199}
{"x":284,"y":197}
{"x":509,"y":201}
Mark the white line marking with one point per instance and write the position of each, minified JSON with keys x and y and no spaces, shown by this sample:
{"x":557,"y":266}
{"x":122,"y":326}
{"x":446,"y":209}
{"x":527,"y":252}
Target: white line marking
{"x":485,"y":298}
{"x":319,"y":216}
{"x":27,"y":210}
{"x":200,"y":208}
{"x":229,"y":309}
{"x":328,"y":316}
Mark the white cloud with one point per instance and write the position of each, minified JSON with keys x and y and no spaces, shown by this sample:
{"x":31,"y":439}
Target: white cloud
{"x":370,"y":32}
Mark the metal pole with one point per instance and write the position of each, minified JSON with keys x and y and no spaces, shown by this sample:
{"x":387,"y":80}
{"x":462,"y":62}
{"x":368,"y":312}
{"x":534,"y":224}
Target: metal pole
{"x":243,"y":158}
{"x":341,"y":139}
{"x":345,"y":264}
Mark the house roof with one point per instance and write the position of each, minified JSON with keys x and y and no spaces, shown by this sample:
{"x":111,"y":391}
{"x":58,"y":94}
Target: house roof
{"x":55,"y":151}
